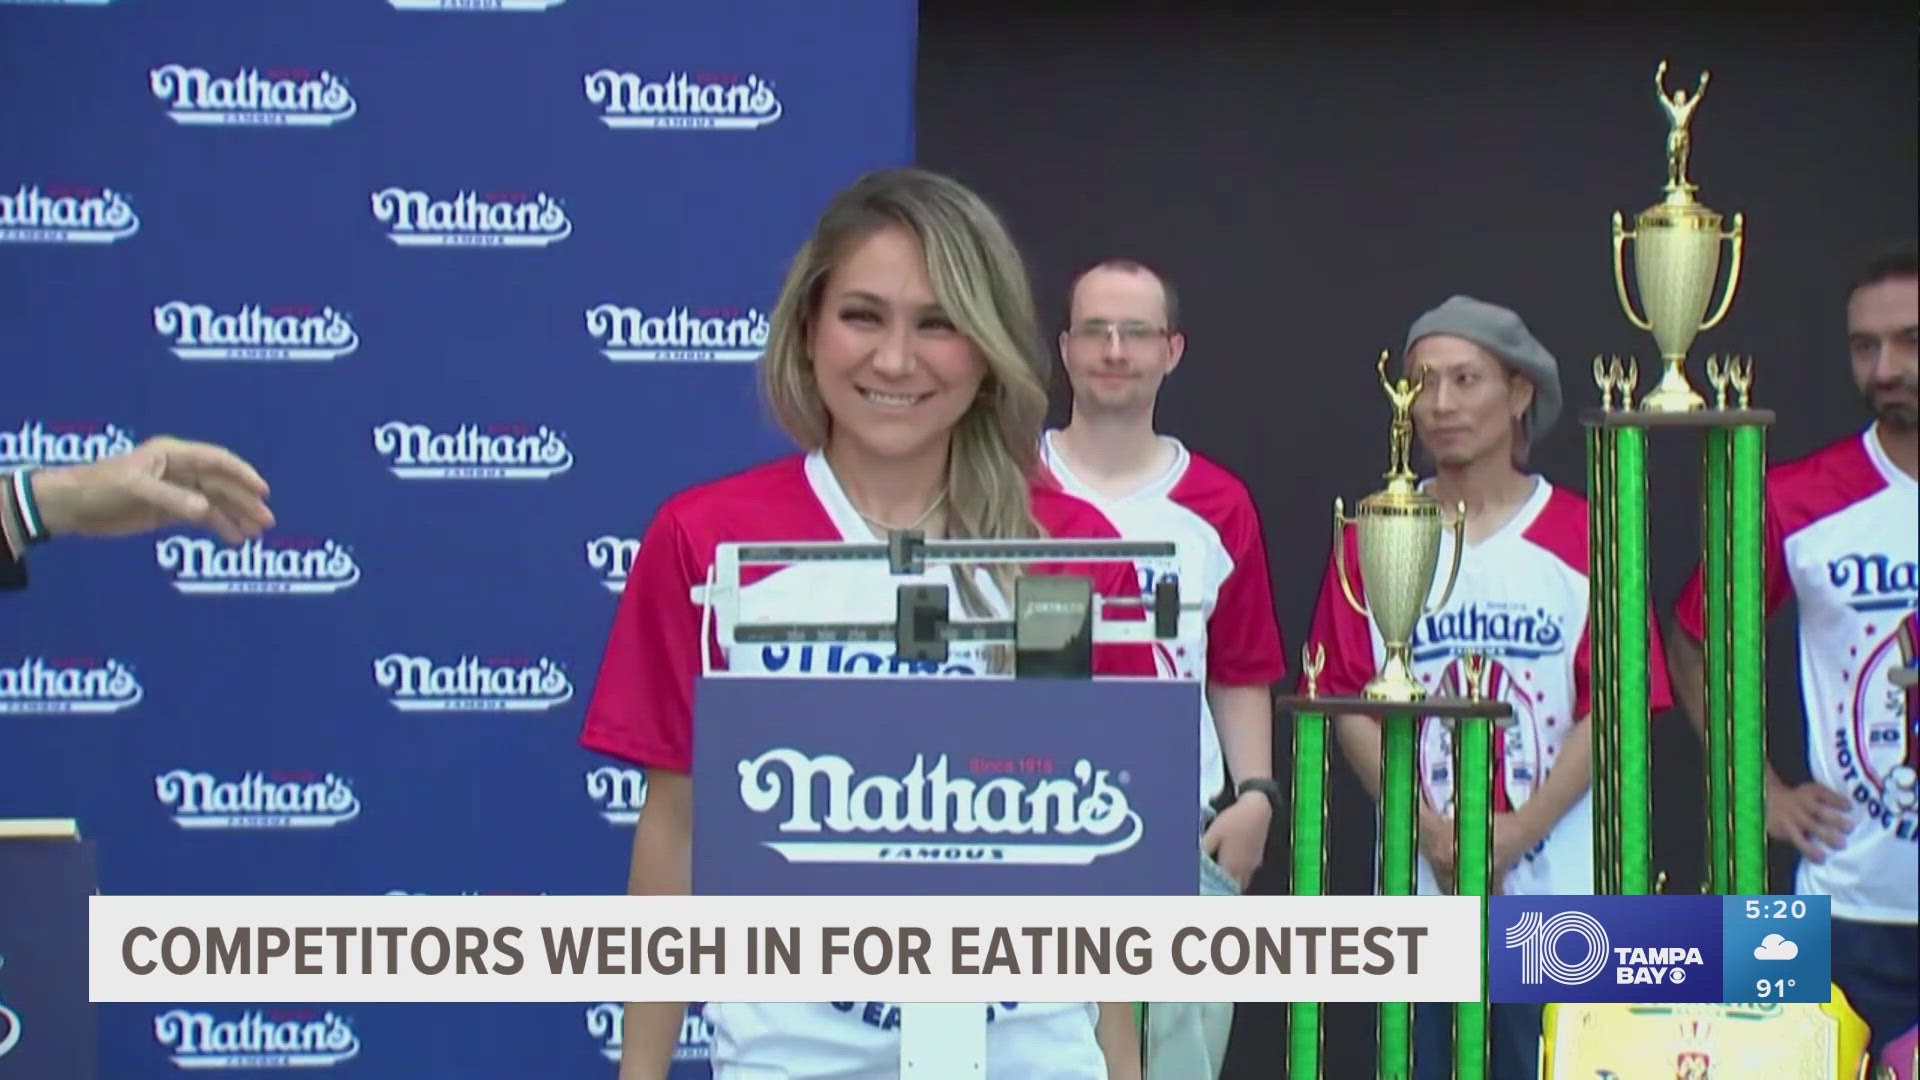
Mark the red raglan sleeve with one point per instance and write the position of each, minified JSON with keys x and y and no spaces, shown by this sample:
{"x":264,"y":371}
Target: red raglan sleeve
{"x":1244,"y":645}
{"x":641,"y":710}
{"x":1341,"y":631}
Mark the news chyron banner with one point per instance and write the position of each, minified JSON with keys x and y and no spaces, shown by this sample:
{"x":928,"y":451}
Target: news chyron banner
{"x":476,"y":284}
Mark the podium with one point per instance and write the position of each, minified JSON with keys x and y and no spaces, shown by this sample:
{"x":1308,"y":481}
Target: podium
{"x":1050,"y":782}
{"x":46,"y":1020}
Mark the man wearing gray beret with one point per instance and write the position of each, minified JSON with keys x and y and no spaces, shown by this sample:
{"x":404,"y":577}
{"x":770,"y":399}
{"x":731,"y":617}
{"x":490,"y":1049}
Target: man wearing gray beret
{"x":1489,"y":390}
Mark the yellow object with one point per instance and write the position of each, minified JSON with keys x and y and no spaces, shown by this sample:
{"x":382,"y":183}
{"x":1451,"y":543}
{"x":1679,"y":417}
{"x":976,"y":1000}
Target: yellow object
{"x":1704,"y":1042}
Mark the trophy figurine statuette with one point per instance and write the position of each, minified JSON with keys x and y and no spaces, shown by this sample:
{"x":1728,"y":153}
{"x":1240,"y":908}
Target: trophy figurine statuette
{"x":1676,"y":258}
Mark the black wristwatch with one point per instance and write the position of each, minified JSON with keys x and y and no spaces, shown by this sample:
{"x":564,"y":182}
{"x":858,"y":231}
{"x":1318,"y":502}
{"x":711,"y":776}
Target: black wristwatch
{"x":1260,"y":784}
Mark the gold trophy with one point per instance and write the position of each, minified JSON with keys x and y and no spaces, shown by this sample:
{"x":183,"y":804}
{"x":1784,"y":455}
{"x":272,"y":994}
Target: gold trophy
{"x":1398,"y":533}
{"x":1676,"y":258}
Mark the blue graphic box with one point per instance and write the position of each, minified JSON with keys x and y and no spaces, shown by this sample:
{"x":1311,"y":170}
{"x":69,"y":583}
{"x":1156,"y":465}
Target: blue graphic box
{"x":954,"y":787}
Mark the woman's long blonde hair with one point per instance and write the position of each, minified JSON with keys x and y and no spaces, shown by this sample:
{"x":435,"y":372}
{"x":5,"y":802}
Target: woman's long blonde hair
{"x":981,"y":282}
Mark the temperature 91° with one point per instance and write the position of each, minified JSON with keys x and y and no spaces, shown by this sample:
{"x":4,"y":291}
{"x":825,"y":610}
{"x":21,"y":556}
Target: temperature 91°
{"x":1771,"y":988}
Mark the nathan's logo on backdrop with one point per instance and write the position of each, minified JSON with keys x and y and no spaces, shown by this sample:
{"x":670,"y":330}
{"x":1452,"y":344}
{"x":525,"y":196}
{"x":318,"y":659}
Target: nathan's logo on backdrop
{"x":468,"y":219}
{"x":613,"y":556}
{"x":271,"y":800}
{"x":470,"y":684}
{"x":290,"y":565}
{"x":253,"y":332}
{"x":62,"y":443}
{"x":1875,"y":581}
{"x":621,"y":792}
{"x":625,"y":333}
{"x":475,"y":5}
{"x":256,"y":1039}
{"x":712,"y":102}
{"x":471,"y":452}
{"x":605,"y":1022}
{"x":930,"y":815}
{"x":68,"y":685}
{"x":1500,"y":628}
{"x":66,"y":214}
{"x":278,"y":97}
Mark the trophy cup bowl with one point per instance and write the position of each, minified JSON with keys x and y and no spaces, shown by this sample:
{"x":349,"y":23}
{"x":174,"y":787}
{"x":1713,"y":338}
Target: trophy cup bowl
{"x":1397,"y":532}
{"x":1676,"y":259}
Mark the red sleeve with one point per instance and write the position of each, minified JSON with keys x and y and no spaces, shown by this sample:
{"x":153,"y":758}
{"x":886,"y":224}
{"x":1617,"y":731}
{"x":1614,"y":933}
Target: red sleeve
{"x":1690,"y":610}
{"x":642,"y":705}
{"x":1659,"y":687}
{"x":1340,"y":630}
{"x":1244,"y":647}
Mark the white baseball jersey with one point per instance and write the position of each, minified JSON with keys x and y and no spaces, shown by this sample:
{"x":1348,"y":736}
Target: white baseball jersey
{"x":1842,"y":526}
{"x":1208,"y":512}
{"x":1521,"y":599}
{"x":641,"y":712}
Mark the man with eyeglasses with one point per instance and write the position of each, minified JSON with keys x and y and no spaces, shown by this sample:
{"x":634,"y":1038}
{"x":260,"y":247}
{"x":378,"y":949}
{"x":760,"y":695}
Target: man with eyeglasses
{"x":1121,"y":342}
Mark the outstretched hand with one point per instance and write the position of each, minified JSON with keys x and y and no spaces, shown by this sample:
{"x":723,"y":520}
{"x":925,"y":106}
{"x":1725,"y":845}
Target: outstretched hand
{"x":162,"y":482}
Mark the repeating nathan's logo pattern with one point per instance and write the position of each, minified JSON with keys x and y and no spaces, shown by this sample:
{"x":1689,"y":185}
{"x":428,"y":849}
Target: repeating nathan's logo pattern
{"x":681,"y":101}
{"x":289,"y":332}
{"x":66,"y":214}
{"x":620,"y":793}
{"x":69,"y":685}
{"x":678,"y":334}
{"x":472,"y":452}
{"x":280,"y":566}
{"x":504,"y":684}
{"x":605,"y":1022}
{"x":255,"y":1039}
{"x":37,"y":443}
{"x":476,"y":5}
{"x":613,"y":556}
{"x":276,"y":97}
{"x":469,"y":219}
{"x":256,"y":800}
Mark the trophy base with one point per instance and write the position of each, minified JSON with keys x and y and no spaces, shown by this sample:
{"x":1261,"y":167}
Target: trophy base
{"x":1452,"y":708}
{"x":1398,"y":691}
{"x":1673,"y":395}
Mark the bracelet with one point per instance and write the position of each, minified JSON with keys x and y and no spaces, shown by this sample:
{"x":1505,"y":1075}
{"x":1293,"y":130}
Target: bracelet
{"x":1265,"y":787}
{"x":29,"y":511}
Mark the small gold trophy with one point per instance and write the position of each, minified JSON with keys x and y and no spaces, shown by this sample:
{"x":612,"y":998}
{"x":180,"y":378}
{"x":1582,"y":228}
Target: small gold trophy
{"x":1676,"y":258}
{"x":1398,"y":537}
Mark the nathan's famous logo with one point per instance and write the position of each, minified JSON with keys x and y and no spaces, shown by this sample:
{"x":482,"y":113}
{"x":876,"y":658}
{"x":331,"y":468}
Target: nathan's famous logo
{"x":62,"y":443}
{"x":469,"y":219}
{"x":68,"y":685}
{"x":1499,"y":629}
{"x":1538,"y":938}
{"x":475,"y":5}
{"x":277,"y":97}
{"x":843,"y":659}
{"x":255,"y":1039}
{"x":278,"y":566}
{"x":929,"y":815}
{"x":1875,"y":582}
{"x":620,"y":792}
{"x":678,"y":100}
{"x":678,"y":333}
{"x":1878,"y":751}
{"x":605,"y":1021}
{"x":9,"y":1024}
{"x":254,"y":332}
{"x":470,"y":684}
{"x":256,"y":800}
{"x":613,"y":556}
{"x":66,"y":214}
{"x":472,"y":452}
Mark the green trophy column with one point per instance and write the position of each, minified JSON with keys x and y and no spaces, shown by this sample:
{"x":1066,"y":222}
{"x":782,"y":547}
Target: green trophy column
{"x":1473,"y":778}
{"x":1717,"y":644}
{"x":1747,"y":752}
{"x":1304,"y":1020}
{"x":1399,"y":828}
{"x":1630,"y":667}
{"x":1602,"y":529}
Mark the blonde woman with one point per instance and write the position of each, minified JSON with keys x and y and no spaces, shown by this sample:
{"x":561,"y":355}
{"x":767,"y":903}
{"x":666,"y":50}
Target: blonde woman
{"x":905,"y":361}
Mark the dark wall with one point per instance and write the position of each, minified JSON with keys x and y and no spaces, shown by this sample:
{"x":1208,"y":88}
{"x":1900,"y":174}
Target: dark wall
{"x":1312,"y":185}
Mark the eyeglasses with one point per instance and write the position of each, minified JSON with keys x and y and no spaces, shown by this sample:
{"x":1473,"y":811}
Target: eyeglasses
{"x":1132,"y":335}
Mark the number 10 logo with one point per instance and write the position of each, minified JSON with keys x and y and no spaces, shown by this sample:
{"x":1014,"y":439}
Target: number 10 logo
{"x":1537,"y":938}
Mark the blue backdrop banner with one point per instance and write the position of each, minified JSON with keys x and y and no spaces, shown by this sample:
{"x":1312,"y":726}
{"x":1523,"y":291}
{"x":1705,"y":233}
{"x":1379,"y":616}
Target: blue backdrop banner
{"x":476,"y":284}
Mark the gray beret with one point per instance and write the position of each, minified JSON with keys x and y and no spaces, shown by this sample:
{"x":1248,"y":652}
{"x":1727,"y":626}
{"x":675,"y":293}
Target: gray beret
{"x":1502,"y":333}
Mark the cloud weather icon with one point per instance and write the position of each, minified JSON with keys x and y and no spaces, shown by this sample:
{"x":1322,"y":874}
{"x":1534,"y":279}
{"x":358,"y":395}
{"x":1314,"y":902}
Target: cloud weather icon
{"x":1775,"y":947}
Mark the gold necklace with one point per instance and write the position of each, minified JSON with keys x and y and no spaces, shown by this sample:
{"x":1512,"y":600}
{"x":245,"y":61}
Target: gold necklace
{"x":921,"y":520}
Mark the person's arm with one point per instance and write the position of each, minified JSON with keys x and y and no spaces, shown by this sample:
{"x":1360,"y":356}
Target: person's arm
{"x":13,"y":545}
{"x":1119,"y":1040}
{"x":661,"y":865}
{"x":1517,"y":833}
{"x":1243,"y":718}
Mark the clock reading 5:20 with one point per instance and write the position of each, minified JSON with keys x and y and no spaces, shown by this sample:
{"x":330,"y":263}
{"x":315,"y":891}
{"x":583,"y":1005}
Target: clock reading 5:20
{"x":1777,"y":909}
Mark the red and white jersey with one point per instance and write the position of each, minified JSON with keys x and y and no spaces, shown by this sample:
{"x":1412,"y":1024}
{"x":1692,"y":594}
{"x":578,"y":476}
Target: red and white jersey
{"x":1521,"y":599}
{"x":641,"y":712}
{"x":1841,"y":528}
{"x":1222,"y":565}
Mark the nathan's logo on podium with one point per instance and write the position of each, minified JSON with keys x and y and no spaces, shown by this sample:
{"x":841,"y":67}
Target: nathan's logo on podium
{"x":277,"y":97}
{"x":68,"y":685}
{"x":66,"y":214}
{"x":605,"y":1025}
{"x":928,"y":814}
{"x":470,"y":684}
{"x":475,"y":5}
{"x":679,"y":101}
{"x":256,"y":800}
{"x":620,"y":792}
{"x":613,"y":556}
{"x":62,"y":443}
{"x":472,"y":452}
{"x":279,"y":566}
{"x":10,"y":1024}
{"x":678,"y":334}
{"x":294,"y":332}
{"x":470,"y":219}
{"x":256,"y":1039}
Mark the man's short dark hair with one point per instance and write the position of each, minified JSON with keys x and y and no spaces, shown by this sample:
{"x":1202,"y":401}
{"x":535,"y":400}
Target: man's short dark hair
{"x":1887,"y":263}
{"x":1135,"y":266}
